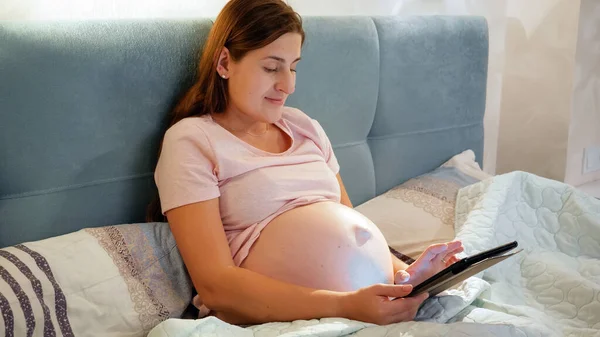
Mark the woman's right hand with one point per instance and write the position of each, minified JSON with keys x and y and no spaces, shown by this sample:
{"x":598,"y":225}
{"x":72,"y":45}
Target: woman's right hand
{"x":373,"y":304}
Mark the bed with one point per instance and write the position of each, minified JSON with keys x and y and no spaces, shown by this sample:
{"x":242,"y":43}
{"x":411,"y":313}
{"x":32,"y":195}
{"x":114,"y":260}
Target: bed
{"x":83,"y":106}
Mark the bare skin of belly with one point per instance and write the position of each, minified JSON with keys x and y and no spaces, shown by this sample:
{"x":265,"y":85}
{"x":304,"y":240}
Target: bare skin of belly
{"x":324,"y":245}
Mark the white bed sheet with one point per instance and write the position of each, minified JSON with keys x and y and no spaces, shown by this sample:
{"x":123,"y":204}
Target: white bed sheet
{"x":552,"y":288}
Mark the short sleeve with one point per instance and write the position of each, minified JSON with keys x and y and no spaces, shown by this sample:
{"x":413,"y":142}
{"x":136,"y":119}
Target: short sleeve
{"x":330,"y":157}
{"x":185,"y":172}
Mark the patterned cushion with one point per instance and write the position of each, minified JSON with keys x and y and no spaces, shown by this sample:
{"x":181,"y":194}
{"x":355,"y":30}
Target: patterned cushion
{"x":420,"y":212}
{"x":109,"y":281}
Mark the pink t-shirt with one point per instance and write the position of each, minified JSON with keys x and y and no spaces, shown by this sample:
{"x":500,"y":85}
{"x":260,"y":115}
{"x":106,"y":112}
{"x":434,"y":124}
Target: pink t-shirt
{"x":200,"y":160}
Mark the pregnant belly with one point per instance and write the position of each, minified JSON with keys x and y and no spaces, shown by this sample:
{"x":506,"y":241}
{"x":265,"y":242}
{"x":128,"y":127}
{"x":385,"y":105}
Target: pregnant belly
{"x":324,"y":245}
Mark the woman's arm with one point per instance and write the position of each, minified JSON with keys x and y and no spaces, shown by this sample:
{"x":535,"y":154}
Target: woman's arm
{"x":398,"y":264}
{"x":238,"y":295}
{"x":345,"y":200}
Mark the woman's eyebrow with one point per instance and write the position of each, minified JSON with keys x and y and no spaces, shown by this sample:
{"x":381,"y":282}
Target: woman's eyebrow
{"x":280,"y":59}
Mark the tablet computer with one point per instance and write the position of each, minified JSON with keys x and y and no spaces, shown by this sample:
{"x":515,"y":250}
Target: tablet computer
{"x":463,"y":269}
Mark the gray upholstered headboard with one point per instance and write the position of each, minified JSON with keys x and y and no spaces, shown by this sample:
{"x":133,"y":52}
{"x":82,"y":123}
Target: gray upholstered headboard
{"x":83,"y":106}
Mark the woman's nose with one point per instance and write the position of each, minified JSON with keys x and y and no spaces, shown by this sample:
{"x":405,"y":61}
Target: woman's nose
{"x":286,"y":82}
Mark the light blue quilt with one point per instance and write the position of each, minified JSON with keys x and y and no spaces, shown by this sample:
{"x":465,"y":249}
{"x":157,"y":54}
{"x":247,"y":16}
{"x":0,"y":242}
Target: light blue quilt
{"x":552,"y":288}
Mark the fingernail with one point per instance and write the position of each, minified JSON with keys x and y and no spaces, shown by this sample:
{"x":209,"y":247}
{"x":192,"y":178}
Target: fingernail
{"x":402,"y":277}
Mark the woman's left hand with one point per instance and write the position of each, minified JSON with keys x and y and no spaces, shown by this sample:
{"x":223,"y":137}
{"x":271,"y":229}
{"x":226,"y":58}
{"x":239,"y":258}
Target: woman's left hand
{"x":433,"y":260}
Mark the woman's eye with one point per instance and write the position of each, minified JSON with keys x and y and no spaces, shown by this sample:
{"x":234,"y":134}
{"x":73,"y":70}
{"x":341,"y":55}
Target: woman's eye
{"x":270,"y":70}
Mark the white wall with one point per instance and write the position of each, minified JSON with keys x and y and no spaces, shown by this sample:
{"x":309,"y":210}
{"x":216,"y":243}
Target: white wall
{"x":585,"y":118}
{"x":537,"y":86}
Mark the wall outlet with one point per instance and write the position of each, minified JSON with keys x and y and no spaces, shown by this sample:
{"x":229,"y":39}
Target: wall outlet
{"x":591,"y":159}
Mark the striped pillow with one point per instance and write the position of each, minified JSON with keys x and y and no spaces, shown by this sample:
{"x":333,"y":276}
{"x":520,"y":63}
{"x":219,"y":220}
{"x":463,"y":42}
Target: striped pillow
{"x":109,"y":281}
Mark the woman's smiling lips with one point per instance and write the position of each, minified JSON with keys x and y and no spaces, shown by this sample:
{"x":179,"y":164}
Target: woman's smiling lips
{"x":276,"y":101}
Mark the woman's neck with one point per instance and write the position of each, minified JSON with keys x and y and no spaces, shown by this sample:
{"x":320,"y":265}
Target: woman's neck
{"x":237,"y":121}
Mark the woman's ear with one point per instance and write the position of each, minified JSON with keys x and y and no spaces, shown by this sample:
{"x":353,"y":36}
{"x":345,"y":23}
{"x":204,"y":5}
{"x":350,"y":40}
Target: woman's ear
{"x":223,"y":63}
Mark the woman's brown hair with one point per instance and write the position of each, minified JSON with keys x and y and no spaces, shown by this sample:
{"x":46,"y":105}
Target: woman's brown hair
{"x":241,"y":26}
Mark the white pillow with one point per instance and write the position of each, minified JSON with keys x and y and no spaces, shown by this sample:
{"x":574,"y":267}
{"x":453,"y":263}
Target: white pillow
{"x":420,"y":211}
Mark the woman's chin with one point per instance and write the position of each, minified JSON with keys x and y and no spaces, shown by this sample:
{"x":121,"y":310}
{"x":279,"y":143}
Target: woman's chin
{"x":272,"y":114}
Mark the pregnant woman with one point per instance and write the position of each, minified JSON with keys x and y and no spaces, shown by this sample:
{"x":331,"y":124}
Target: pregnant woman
{"x":252,"y":192}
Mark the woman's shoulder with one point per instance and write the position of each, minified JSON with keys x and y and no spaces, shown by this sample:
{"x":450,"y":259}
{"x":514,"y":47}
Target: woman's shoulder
{"x":189,"y":127}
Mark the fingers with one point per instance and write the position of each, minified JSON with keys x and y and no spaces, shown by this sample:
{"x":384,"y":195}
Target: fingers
{"x":455,"y":250}
{"x":415,"y":304}
{"x":401,"y":276}
{"x":443,"y":249}
{"x":415,"y":301}
{"x":452,"y":245}
{"x":392,"y":290}
{"x":450,"y":258}
{"x":434,"y":250}
{"x":406,"y":308}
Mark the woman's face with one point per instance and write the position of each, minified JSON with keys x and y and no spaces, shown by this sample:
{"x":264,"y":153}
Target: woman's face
{"x":261,"y":81}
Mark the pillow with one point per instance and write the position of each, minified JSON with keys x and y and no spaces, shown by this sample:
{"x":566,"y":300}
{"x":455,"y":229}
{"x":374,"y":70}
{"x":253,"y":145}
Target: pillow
{"x":420,"y":212}
{"x":108,"y":281}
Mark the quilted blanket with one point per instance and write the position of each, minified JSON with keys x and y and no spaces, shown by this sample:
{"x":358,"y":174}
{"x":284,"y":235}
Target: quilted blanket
{"x":551,"y":288}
